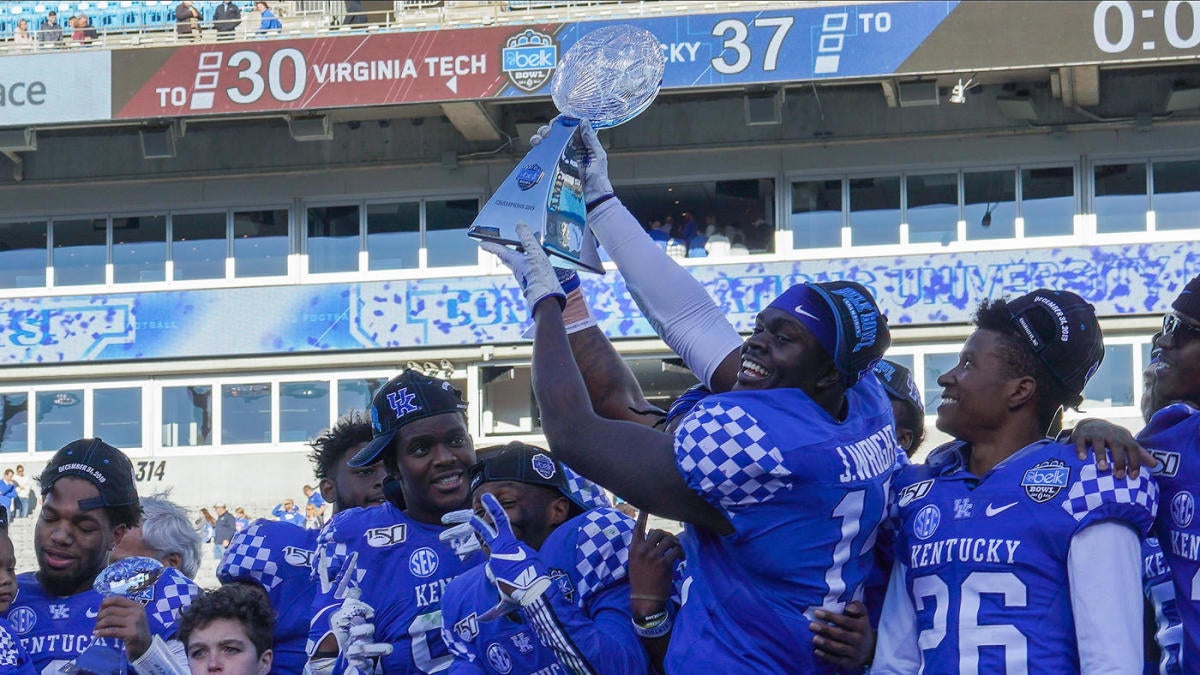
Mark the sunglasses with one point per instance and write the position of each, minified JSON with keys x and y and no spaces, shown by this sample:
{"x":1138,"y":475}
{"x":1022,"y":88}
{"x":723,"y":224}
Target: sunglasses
{"x":1178,"y":328}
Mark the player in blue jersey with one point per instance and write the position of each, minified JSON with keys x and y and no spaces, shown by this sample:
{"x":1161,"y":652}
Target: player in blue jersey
{"x":1002,"y":533}
{"x":14,"y":659}
{"x":393,"y":559}
{"x":341,"y":485}
{"x":89,"y":502}
{"x":229,"y":630}
{"x":554,"y":593}
{"x":1173,"y":437}
{"x":277,"y":557}
{"x":907,"y":407}
{"x":783,"y":481}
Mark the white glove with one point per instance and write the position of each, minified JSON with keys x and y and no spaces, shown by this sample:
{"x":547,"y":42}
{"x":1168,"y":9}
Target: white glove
{"x":355,"y":634}
{"x":593,"y":160}
{"x":531,"y":268}
{"x":460,"y":536}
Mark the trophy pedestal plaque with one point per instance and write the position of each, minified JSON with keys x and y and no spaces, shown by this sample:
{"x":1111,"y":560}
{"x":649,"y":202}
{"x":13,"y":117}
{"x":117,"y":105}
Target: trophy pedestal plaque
{"x":608,"y":77}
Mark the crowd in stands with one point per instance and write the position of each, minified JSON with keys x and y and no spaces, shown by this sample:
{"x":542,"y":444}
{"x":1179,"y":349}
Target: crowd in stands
{"x":687,"y":239}
{"x":36,"y":26}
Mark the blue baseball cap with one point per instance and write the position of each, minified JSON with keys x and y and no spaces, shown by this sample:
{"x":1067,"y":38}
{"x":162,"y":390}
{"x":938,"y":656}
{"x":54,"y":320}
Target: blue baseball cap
{"x":406,"y":398}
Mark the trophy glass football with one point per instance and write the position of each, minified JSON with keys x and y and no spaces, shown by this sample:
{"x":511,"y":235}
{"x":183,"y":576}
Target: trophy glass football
{"x":133,"y":578}
{"x":608,"y":77}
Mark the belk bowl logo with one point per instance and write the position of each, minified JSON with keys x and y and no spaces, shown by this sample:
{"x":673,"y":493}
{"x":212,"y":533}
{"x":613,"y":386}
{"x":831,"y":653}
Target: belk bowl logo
{"x":529,"y":175}
{"x":543,"y":465}
{"x":1044,"y":481}
{"x":927,"y":521}
{"x":1183,"y":509}
{"x":528,"y":59}
{"x":423,"y":562}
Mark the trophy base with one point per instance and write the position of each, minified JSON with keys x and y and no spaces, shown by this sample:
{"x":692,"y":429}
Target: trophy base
{"x":586,"y":262}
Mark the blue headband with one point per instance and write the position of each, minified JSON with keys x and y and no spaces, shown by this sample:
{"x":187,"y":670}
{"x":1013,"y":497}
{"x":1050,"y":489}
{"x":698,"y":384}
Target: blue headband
{"x":809,"y":308}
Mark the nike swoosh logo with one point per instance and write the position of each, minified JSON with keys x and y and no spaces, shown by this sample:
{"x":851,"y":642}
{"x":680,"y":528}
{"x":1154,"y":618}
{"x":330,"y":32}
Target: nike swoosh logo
{"x":92,"y":613}
{"x":514,"y":557}
{"x":996,"y":511}
{"x":800,"y":310}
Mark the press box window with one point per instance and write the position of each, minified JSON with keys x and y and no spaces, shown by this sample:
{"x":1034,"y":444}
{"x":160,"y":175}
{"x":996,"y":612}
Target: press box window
{"x":80,"y":251}
{"x":139,"y":249}
{"x":303,"y":410}
{"x":199,"y":245}
{"x":23,"y":255}
{"x":816,"y":214}
{"x":333,"y":239}
{"x":14,"y":422}
{"x":187,"y":416}
{"x":260,"y":243}
{"x":117,"y":416}
{"x":246,"y":413}
{"x":59,"y":416}
{"x":1121,"y":198}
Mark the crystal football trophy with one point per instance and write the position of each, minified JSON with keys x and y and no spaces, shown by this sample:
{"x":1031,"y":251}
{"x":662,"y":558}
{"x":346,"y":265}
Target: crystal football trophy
{"x":608,"y":77}
{"x":132,"y":578}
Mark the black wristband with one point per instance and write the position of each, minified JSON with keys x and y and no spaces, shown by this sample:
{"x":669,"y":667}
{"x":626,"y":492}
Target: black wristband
{"x":591,"y":206}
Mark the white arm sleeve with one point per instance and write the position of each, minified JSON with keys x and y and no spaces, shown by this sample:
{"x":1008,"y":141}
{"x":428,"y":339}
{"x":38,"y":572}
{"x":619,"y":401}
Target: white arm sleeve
{"x":1104,"y":568}
{"x":162,"y":658}
{"x":896,"y":649}
{"x":681,"y":311}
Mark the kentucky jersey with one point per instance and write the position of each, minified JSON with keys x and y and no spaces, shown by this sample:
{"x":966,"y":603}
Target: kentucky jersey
{"x":278,"y":556}
{"x":55,"y":630}
{"x":986,"y":556}
{"x":401,"y":568}
{"x":1160,"y":591}
{"x":580,"y":625}
{"x":1173,"y":437}
{"x":14,"y":660}
{"x":804,"y":494}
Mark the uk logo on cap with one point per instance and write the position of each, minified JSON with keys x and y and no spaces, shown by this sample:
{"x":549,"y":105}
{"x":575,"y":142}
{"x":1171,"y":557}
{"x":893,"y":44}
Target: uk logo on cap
{"x":401,"y":402}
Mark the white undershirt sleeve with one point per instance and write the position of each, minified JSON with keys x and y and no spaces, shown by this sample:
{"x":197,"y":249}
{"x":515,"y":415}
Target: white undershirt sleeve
{"x":896,"y":649}
{"x":677,"y":306}
{"x":1104,"y":568}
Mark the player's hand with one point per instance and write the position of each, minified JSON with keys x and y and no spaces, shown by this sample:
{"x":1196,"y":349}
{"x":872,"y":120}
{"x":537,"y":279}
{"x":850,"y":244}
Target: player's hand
{"x":531,"y":267}
{"x":593,"y":159}
{"x":1109,"y":440}
{"x":512,"y":566}
{"x":123,"y":618}
{"x":355,"y":633}
{"x":460,"y":535}
{"x":652,"y":559}
{"x":846,"y":640}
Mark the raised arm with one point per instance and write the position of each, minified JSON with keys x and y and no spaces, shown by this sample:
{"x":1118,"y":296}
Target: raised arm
{"x":672,"y":300}
{"x":632,"y":460}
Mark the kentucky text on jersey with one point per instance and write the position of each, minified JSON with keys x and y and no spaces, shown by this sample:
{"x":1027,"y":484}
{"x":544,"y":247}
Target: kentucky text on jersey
{"x":870,"y":457}
{"x":964,"y":549}
{"x":1185,"y":544}
{"x":431,"y":593}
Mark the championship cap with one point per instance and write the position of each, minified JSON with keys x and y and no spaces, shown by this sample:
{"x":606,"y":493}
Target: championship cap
{"x":1188,"y":302}
{"x":406,"y":398}
{"x":899,"y":384}
{"x":98,"y":463}
{"x":843,"y":317}
{"x":1064,"y":333}
{"x":523,"y":463}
